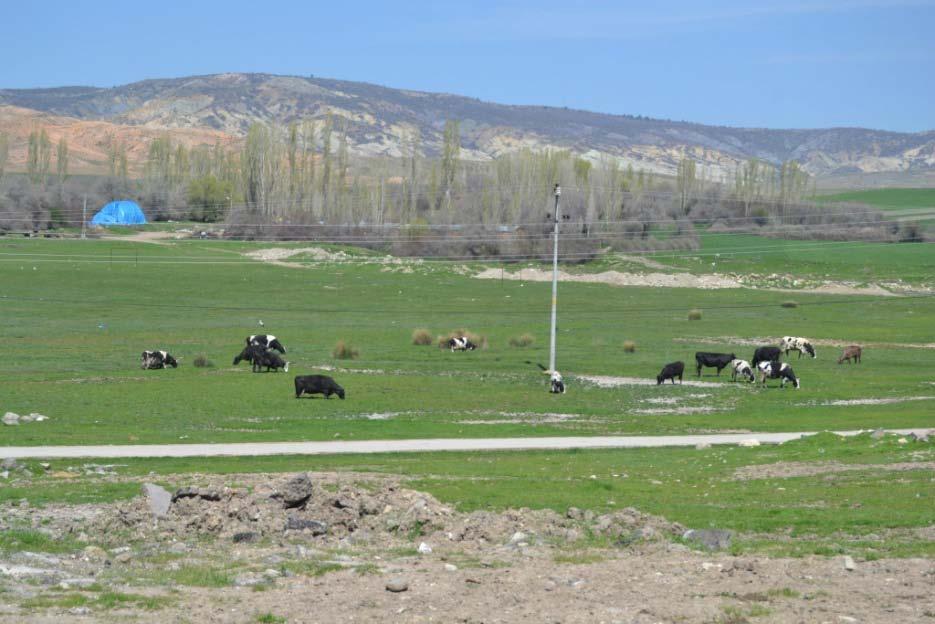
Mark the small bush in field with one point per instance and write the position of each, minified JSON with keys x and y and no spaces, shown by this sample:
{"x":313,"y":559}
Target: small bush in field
{"x":202,"y":362}
{"x":343,"y":351}
{"x":629,"y":346}
{"x":421,"y":337}
{"x":694,"y":315}
{"x":523,"y":340}
{"x":790,"y":304}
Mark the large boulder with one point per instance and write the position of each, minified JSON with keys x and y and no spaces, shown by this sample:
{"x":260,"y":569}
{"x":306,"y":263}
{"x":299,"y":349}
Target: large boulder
{"x":158,"y":499}
{"x":295,"y":492}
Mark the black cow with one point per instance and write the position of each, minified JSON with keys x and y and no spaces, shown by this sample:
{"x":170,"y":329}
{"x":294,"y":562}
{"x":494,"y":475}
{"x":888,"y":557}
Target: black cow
{"x":766,"y":354}
{"x":154,"y":360}
{"x":249,"y":353}
{"x":671,"y":371}
{"x":777,"y":370}
{"x":719,"y":361}
{"x":266,"y":340}
{"x":460,"y":343}
{"x":317,"y":384}
{"x":259,"y":357}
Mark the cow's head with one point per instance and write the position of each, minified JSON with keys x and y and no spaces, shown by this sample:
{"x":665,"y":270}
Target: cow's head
{"x":246,"y":354}
{"x":809,"y":349}
{"x":171,"y":361}
{"x":340,"y":392}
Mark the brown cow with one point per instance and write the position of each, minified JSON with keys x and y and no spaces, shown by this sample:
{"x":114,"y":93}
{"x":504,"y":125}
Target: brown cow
{"x":852,"y":352}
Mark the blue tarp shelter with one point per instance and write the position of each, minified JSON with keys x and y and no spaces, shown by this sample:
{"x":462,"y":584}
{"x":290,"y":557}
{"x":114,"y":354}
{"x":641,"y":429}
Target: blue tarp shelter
{"x":121,"y":212}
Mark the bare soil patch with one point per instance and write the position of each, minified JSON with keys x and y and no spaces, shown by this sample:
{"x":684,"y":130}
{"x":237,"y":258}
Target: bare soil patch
{"x":785,"y":470}
{"x":885,"y":401}
{"x":603,"y":381}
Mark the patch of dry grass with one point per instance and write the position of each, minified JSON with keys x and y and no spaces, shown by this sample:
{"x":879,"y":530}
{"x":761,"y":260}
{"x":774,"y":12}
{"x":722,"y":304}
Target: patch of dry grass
{"x":344,"y":351}
{"x":523,"y":340}
{"x":421,"y":337}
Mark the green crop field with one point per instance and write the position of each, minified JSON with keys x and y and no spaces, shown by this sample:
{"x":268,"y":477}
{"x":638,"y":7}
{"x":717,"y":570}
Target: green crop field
{"x":889,"y":198}
{"x":77,"y":314}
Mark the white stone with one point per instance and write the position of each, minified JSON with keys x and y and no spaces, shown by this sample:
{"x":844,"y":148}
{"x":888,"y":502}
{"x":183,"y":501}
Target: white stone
{"x":849,"y":564}
{"x":750,"y":443}
{"x":424,"y":548}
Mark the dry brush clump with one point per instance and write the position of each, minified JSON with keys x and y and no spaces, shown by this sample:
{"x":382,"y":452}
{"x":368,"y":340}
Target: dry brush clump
{"x":629,"y":346}
{"x":421,"y":337}
{"x":694,"y":314}
{"x":202,"y":361}
{"x":790,"y":304}
{"x":523,"y":340}
{"x":479,"y":340}
{"x":344,"y":351}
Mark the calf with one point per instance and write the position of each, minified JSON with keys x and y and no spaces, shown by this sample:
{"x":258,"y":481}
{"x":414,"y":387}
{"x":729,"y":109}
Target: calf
{"x":154,"y":360}
{"x":742,"y":368}
{"x":460,"y":343}
{"x":792,"y":343}
{"x":766,"y":354}
{"x":777,"y":370}
{"x":853,"y":352}
{"x":317,"y":384}
{"x":557,"y":383}
{"x":671,"y":371}
{"x":266,"y":340}
{"x":714,"y":360}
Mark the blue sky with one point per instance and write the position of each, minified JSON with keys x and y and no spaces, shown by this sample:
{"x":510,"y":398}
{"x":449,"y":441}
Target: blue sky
{"x":791,"y":64}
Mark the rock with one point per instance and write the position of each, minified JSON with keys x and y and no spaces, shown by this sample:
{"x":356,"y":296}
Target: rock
{"x":45,"y":465}
{"x":749,"y":443}
{"x":397,"y":585}
{"x":878,"y":434}
{"x":902,"y":441}
{"x":5,"y":474}
{"x":573,"y":513}
{"x":270,"y":573}
{"x":245,"y":537}
{"x":849,"y":564}
{"x":25,"y":418}
{"x":158,"y":498}
{"x":179,"y":548}
{"x":450,"y":567}
{"x":123,"y":558}
{"x":37,"y":417}
{"x":79,"y":611}
{"x":94,"y":553}
{"x":713,"y":539}
{"x":9,"y":464}
{"x":11,"y":418}
{"x":248,"y":580}
{"x":424,"y":548}
{"x":296,"y":491}
{"x":300,"y":524}
{"x":195,"y":492}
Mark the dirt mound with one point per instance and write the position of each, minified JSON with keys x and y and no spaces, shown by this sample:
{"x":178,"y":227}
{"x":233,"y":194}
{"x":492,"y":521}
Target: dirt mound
{"x":617,"y":278}
{"x":331,"y":509}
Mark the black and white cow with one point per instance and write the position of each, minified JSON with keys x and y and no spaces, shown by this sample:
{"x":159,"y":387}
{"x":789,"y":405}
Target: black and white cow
{"x":154,"y":360}
{"x":743,"y":369}
{"x":266,"y":340}
{"x":793,"y":343}
{"x":777,"y":370}
{"x":671,"y":371}
{"x":460,"y":343}
{"x":317,"y":384}
{"x":556,"y":383}
{"x":766,"y":354}
{"x":713,"y":360}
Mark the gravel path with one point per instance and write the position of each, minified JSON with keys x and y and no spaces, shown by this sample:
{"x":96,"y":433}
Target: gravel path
{"x":247,"y":449}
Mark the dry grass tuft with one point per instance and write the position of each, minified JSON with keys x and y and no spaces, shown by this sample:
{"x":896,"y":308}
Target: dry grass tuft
{"x":694,"y":315}
{"x":344,"y":351}
{"x":421,"y":337}
{"x":524,"y":340}
{"x":629,"y":346}
{"x":202,"y":361}
{"x":790,"y":304}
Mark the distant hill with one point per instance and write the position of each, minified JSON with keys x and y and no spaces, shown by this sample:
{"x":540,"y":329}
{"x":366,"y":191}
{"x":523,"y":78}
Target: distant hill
{"x":203,"y":109}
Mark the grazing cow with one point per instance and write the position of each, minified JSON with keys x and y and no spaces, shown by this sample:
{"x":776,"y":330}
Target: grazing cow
{"x":766,"y":354}
{"x":714,"y":360}
{"x":266,"y":340}
{"x":671,"y":371}
{"x":154,"y":360}
{"x":852,"y":352}
{"x":460,"y":343}
{"x":777,"y":370}
{"x":742,"y":368}
{"x":557,"y":383}
{"x":317,"y":384}
{"x":259,"y":357}
{"x":792,"y":343}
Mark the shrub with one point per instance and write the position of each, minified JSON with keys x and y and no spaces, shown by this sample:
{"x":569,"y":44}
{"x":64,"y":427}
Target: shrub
{"x":694,"y":315}
{"x":790,"y":304}
{"x":523,"y":340}
{"x":202,"y":361}
{"x":343,"y":351}
{"x":629,"y":346}
{"x":421,"y":337}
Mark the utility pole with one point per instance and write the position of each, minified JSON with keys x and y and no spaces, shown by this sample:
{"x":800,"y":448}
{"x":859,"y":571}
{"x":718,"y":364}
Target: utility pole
{"x":555,"y":219}
{"x":84,"y":216}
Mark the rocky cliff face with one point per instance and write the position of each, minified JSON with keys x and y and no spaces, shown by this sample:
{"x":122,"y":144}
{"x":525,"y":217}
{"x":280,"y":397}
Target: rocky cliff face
{"x":379,"y":121}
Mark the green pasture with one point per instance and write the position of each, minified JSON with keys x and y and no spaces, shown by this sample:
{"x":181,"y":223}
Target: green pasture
{"x":77,"y":314}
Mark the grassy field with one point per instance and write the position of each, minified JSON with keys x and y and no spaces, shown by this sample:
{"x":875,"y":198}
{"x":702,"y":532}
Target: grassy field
{"x":888,"y":198}
{"x":77,"y":314}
